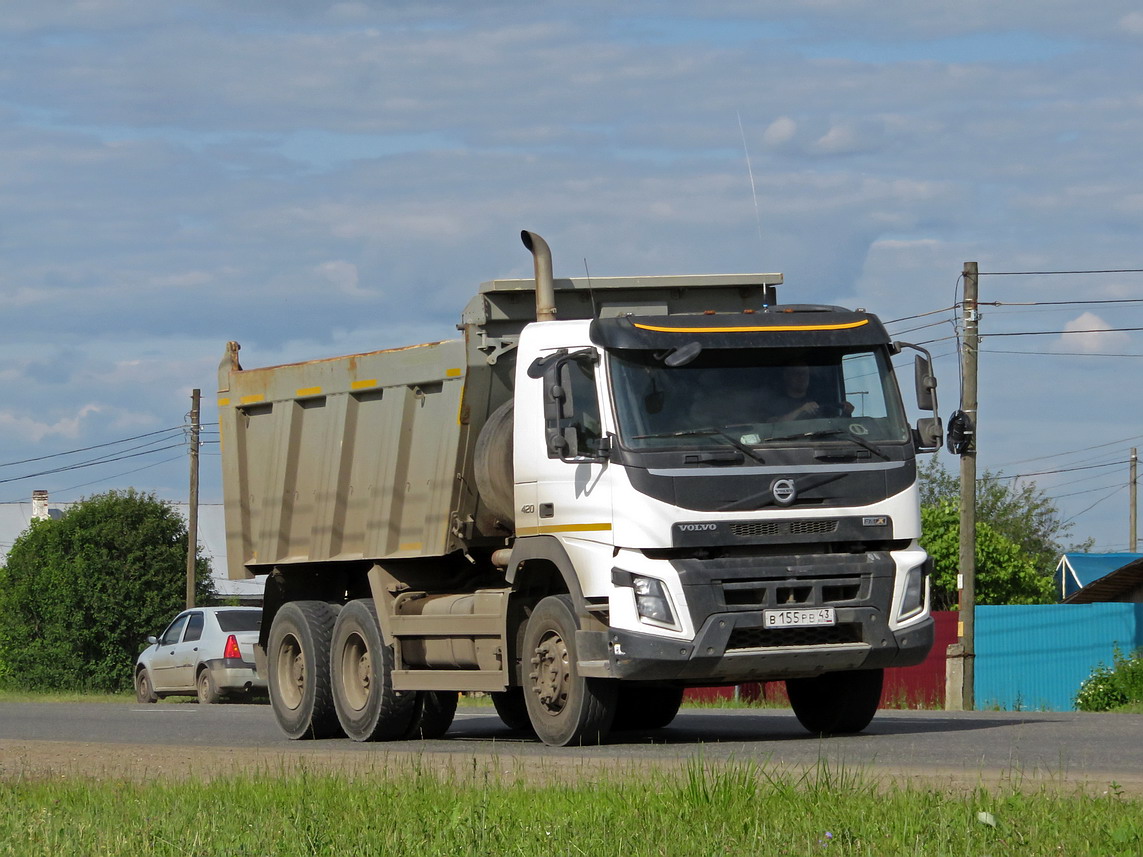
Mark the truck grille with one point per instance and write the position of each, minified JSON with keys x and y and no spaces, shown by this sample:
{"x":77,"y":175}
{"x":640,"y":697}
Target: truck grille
{"x":810,"y":527}
{"x":763,"y":638}
{"x":777,"y":593}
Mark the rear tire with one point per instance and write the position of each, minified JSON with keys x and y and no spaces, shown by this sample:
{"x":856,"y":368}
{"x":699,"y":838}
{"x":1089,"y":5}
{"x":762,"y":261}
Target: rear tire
{"x":207,"y":692}
{"x":361,"y":668}
{"x":144,"y":690}
{"x":564,"y":707}
{"x":836,"y":703}
{"x":646,"y":706}
{"x":298,"y":663}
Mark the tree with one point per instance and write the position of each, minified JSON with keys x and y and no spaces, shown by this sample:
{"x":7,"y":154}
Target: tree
{"x":79,"y":594}
{"x":1019,"y":537}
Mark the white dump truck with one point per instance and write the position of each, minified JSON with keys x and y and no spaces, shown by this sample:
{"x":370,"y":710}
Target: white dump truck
{"x":609,"y":490}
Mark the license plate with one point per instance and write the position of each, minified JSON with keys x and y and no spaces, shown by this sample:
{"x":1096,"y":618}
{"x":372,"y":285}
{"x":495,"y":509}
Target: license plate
{"x":799,"y":618}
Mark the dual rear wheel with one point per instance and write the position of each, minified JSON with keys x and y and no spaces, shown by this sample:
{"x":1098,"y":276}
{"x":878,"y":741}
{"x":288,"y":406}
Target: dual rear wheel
{"x":331,"y":675}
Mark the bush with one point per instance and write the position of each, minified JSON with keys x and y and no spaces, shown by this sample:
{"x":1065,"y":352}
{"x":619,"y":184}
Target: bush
{"x":1110,"y":687}
{"x":79,"y":594}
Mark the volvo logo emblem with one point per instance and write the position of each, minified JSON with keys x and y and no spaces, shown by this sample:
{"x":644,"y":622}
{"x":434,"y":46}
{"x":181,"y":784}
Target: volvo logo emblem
{"x":784,"y":491}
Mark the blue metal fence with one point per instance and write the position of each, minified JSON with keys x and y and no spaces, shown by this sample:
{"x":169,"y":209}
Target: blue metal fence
{"x":1036,"y":656}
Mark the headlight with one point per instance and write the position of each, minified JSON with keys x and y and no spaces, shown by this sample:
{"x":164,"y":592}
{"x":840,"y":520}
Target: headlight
{"x":651,"y":600}
{"x":913,"y":598}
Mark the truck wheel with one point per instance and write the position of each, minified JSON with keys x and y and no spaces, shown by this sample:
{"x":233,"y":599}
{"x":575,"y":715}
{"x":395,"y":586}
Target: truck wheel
{"x":361,"y":668}
{"x":207,"y":692}
{"x":144,"y":691}
{"x":433,"y":714}
{"x":298,"y":663}
{"x":836,"y":703}
{"x":512,"y":708}
{"x":646,"y":706}
{"x":564,"y":707}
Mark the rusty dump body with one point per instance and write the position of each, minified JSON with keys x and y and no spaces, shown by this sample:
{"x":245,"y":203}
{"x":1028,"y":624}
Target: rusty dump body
{"x":373,"y":456}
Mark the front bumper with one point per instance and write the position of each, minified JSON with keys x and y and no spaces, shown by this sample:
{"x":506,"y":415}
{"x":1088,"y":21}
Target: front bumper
{"x":734,"y":647}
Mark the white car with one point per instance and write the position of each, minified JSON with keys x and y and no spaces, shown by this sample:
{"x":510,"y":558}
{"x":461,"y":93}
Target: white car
{"x":206,"y":651}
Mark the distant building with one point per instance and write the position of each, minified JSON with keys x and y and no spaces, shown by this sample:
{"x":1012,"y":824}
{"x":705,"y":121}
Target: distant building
{"x":1091,"y":578}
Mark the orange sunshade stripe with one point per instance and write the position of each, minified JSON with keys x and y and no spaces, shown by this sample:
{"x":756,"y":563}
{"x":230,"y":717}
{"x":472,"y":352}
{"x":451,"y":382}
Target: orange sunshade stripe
{"x":780,"y":328}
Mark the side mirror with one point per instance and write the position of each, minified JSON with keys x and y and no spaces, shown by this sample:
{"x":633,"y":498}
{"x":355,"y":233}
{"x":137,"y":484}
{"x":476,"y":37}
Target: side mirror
{"x":564,"y":420}
{"x":925,"y":383}
{"x":929,"y":434}
{"x":152,"y":639}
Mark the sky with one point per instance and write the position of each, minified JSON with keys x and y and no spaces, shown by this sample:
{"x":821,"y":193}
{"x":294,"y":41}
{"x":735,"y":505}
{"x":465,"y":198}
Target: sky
{"x":312,"y":179}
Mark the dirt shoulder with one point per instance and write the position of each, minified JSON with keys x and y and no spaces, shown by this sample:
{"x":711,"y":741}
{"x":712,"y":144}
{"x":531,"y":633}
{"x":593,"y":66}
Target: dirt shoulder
{"x":60,"y":760}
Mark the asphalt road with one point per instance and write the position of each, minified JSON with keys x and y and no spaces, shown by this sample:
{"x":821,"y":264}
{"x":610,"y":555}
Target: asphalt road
{"x":1092,"y":750}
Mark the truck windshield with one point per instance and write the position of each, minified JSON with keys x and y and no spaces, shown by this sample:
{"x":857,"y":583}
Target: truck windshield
{"x":756,"y":398}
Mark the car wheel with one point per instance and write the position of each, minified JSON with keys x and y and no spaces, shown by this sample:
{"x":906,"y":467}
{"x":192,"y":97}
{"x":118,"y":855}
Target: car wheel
{"x":298,"y":662}
{"x":564,"y":707}
{"x":144,"y":691}
{"x":207,"y":692}
{"x":361,"y":667}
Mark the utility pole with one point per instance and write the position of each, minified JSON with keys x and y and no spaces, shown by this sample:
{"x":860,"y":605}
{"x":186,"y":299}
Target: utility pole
{"x":961,"y":675}
{"x":192,"y":506}
{"x":1132,"y":541}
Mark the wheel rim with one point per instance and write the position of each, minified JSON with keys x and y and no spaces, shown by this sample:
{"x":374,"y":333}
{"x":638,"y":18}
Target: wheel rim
{"x":356,"y":672}
{"x":291,"y":672}
{"x":144,"y":685}
{"x":202,"y":686}
{"x":551,"y":678}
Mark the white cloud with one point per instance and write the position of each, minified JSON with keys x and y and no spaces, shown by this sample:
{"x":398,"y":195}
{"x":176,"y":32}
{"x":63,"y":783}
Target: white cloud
{"x":21,"y":426}
{"x":1132,"y":23}
{"x":1092,"y":334}
{"x":780,"y":131}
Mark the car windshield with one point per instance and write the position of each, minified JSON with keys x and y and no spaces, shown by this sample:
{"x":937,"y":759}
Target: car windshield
{"x":756,"y":397}
{"x":239,"y":620}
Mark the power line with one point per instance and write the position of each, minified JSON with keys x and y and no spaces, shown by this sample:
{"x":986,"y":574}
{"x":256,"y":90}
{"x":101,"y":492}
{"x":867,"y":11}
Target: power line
{"x":1058,"y":353}
{"x":81,"y":465}
{"x":1051,"y":273}
{"x":95,"y":446}
{"x":1063,"y":332}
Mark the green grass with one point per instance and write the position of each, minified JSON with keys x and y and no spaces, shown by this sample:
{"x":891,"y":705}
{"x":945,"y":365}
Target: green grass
{"x":726,"y":811}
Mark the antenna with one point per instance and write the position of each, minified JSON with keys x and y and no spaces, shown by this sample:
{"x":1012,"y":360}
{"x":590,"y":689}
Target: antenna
{"x":750,"y":170}
{"x":590,"y":290}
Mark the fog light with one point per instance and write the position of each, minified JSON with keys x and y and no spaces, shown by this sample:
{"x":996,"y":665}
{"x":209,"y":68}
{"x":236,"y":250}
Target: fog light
{"x":651,"y":600}
{"x":913,"y":598}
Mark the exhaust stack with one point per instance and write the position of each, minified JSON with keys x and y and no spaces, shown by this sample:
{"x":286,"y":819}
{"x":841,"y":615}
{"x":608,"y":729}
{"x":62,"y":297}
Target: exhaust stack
{"x":545,"y":285}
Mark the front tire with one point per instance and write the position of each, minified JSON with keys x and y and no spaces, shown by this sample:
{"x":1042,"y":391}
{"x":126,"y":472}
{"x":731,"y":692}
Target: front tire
{"x":646,"y":706}
{"x":144,"y":690}
{"x":836,"y":703}
{"x":298,"y":662}
{"x":433,"y":714}
{"x":512,"y":708}
{"x":564,"y":707}
{"x":361,"y":668}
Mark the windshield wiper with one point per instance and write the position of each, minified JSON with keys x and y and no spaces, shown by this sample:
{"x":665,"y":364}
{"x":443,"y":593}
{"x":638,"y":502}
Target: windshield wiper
{"x":834,"y":432}
{"x":705,"y":432}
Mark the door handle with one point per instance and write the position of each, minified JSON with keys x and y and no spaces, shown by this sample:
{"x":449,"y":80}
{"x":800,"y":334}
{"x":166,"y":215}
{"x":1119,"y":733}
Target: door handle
{"x":547,"y":510}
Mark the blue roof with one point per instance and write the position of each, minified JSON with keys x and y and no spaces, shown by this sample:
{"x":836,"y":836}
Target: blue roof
{"x":1077,"y":570}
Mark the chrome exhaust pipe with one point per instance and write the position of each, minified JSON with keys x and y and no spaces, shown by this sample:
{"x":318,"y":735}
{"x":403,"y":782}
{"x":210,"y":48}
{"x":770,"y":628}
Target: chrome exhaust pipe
{"x":545,"y":283}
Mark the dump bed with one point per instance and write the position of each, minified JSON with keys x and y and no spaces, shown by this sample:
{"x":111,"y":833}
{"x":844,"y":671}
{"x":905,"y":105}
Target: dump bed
{"x":347,"y":458}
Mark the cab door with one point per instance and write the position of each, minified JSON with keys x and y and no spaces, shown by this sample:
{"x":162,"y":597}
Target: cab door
{"x":572,"y":490}
{"x":163,"y":663}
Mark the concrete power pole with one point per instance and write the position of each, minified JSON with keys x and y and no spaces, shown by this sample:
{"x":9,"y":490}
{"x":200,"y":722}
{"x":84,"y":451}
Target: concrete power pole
{"x":961,"y":672}
{"x":192,"y":506}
